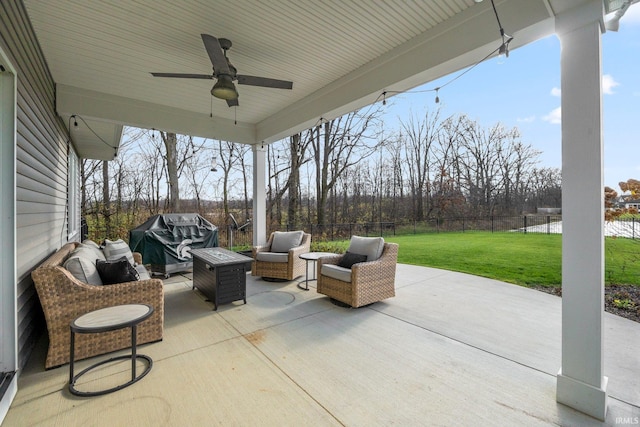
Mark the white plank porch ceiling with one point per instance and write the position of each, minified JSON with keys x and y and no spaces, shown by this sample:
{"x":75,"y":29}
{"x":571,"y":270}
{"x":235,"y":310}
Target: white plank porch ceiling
{"x":340,"y":55}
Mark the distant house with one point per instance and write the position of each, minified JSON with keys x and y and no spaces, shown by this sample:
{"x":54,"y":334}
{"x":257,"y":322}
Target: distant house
{"x":624,"y":202}
{"x":631,"y":203}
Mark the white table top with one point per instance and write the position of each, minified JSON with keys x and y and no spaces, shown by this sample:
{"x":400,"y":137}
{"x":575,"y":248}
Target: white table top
{"x":313,"y":256}
{"x":112,"y":317}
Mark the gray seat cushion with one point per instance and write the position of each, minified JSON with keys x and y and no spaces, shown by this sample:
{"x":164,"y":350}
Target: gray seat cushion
{"x":272,"y":257}
{"x":336,"y":272}
{"x":283,"y":241}
{"x":370,"y":246}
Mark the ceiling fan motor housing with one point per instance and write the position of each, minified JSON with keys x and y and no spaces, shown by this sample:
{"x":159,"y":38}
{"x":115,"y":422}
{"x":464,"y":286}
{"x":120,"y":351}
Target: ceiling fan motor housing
{"x":225,"y":73}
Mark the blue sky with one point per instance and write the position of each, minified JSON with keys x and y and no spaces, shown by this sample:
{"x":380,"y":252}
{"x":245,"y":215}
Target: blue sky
{"x":523,"y":91}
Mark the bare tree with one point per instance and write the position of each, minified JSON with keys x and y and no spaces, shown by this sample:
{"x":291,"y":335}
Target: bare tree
{"x":516,"y":162}
{"x":227,"y":153}
{"x":421,"y":136}
{"x":481,"y":163}
{"x":171,"y":157}
{"x":337,"y":145}
{"x":106,"y":199}
{"x":245,"y":168}
{"x":298,"y":145}
{"x":197,"y":168}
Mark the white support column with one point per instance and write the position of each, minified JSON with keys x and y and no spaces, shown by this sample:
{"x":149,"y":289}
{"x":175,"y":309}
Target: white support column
{"x":580,"y":382}
{"x":259,"y":195}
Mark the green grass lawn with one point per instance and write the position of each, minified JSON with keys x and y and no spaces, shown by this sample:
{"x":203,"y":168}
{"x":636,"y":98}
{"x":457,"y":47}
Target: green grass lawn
{"x":523,"y":259}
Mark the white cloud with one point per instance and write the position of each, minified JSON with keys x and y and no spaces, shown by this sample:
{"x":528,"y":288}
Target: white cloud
{"x":555,"y":91}
{"x":554,"y":117}
{"x":608,"y":83}
{"x":529,"y":119}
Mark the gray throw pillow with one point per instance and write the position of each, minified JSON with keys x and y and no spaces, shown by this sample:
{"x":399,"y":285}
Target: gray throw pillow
{"x":93,"y":248}
{"x":370,"y":246}
{"x":113,"y":250}
{"x":82,"y":265}
{"x":283,"y":241}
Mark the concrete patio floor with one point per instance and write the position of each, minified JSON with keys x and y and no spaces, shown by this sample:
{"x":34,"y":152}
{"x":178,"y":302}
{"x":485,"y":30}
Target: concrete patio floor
{"x":449,"y":349}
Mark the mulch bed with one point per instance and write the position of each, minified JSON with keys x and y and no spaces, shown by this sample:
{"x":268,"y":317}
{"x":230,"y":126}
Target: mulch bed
{"x":621,"y":300}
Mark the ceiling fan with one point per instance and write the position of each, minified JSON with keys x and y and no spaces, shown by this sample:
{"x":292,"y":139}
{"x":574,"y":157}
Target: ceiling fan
{"x":225,"y":73}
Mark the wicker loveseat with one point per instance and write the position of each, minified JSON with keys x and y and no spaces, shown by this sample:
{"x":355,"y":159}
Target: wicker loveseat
{"x":64,"y":298}
{"x":366,"y":282}
{"x":279,"y":258}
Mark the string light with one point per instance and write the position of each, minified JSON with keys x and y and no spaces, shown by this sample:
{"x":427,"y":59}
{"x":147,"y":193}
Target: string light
{"x":502,"y":50}
{"x":75,"y":124}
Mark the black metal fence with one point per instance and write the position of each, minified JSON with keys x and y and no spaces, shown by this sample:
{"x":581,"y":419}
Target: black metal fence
{"x":539,"y":224}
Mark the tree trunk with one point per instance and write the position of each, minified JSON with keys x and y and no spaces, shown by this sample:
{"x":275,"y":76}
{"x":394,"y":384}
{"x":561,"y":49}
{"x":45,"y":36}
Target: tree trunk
{"x":171,"y":143}
{"x":106,"y":201}
{"x":294,"y":180}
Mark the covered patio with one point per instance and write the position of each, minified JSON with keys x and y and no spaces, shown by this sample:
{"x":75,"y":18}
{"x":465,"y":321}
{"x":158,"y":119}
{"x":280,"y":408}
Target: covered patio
{"x":64,"y":63}
{"x":449,"y":349}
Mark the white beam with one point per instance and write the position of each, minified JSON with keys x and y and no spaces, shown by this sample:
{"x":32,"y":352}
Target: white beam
{"x":259,"y":222}
{"x":581,"y":383}
{"x":132,"y":112}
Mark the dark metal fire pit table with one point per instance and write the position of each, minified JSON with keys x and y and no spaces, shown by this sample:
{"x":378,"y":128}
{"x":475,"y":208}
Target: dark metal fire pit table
{"x":105,"y":320}
{"x":220,"y":274}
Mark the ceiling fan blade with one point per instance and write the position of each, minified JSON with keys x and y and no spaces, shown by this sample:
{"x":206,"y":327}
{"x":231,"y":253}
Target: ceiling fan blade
{"x":233,"y":102}
{"x":183,"y":75}
{"x":216,"y":55}
{"x":264,"y":82}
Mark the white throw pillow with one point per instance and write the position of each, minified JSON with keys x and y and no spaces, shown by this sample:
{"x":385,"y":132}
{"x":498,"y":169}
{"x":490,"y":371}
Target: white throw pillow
{"x":370,"y":246}
{"x":114,"y":250}
{"x":283,"y":241}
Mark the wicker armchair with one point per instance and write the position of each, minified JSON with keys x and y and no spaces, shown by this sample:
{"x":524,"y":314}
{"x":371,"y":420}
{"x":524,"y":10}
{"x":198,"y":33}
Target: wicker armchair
{"x":371,"y":281}
{"x":64,"y":298}
{"x":289,"y":270}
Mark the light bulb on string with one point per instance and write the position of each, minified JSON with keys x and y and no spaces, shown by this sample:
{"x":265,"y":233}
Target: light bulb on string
{"x":437,"y":97}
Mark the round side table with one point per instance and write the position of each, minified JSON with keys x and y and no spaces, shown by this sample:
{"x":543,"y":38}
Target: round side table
{"x":105,"y":320}
{"x":311,"y":256}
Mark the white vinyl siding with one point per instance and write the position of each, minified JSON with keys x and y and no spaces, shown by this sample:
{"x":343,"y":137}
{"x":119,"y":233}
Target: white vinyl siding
{"x":41,"y":167}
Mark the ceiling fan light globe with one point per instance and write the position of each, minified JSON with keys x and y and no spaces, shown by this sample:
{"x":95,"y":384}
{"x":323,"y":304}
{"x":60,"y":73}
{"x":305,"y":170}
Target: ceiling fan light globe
{"x":224,"y":88}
